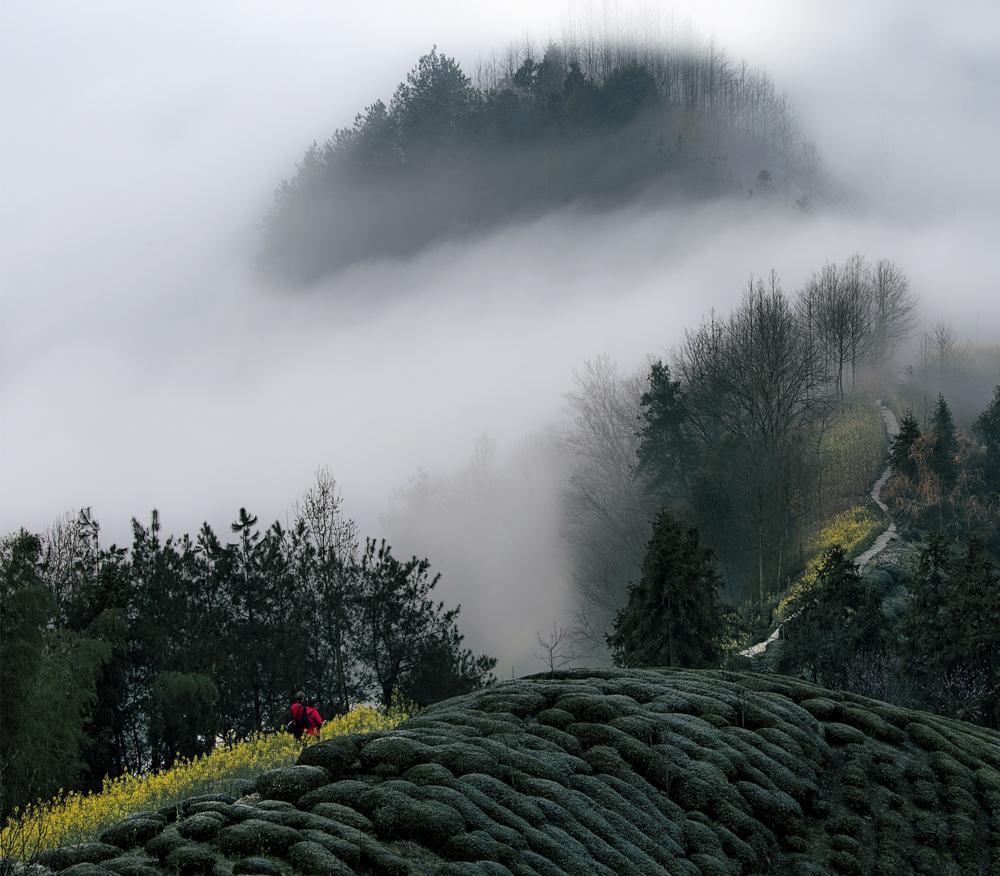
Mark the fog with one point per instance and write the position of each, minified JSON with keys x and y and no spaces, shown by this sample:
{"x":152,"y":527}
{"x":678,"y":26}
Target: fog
{"x":142,"y":366}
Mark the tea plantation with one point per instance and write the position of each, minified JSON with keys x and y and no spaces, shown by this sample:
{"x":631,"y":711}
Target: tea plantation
{"x":602,"y":772}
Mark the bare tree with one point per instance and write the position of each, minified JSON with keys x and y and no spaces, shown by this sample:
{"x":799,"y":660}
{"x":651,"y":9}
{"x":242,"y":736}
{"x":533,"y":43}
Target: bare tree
{"x":332,"y":539}
{"x":608,"y":512}
{"x":946,"y":350}
{"x":856,"y":287}
{"x":321,"y":510}
{"x":555,"y":648}
{"x":754,"y":386}
{"x":894,"y":310}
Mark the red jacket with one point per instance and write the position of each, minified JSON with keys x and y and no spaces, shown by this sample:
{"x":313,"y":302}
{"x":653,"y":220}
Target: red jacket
{"x":311,"y":719}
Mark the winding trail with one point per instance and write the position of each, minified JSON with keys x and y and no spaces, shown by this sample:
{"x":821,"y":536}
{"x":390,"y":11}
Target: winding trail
{"x":880,"y":543}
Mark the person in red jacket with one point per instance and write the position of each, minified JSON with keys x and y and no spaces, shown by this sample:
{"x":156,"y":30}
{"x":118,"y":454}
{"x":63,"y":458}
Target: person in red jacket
{"x":305,"y":717}
{"x":313,"y":719}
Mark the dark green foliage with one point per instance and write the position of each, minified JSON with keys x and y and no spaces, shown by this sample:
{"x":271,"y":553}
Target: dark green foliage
{"x":131,"y":866}
{"x":165,"y":842}
{"x":134,"y":831}
{"x":338,"y":756}
{"x":667,"y":790}
{"x":182,"y":715}
{"x":839,"y":616}
{"x":84,"y":853}
{"x":944,"y":443}
{"x":445,"y":156}
{"x":987,"y":428}
{"x":199,"y":827}
{"x":291,"y":783}
{"x":86,"y":870}
{"x":192,"y":859}
{"x":261,"y":866}
{"x":311,"y":857}
{"x":664,"y":449}
{"x":903,"y":443}
{"x":256,"y":836}
{"x":950,"y":627}
{"x":127,"y":659}
{"x":399,"y":623}
{"x":672,"y":617}
{"x":48,"y":679}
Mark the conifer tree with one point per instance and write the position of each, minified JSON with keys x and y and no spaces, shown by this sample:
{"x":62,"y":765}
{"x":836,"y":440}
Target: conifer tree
{"x":987,"y":427}
{"x":838,"y":617}
{"x":672,"y":617}
{"x":663,"y":448}
{"x":899,"y":449}
{"x":942,"y":459}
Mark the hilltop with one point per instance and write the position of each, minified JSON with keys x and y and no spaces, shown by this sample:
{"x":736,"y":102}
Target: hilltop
{"x":592,"y":125}
{"x":603,"y":772}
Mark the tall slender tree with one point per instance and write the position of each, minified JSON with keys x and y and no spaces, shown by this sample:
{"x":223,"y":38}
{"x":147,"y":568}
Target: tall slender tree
{"x":673,"y":616}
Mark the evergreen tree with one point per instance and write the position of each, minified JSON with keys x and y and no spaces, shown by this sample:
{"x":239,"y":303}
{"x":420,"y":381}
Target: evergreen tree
{"x":902,"y":444}
{"x":663,"y":450}
{"x":399,"y":624}
{"x":838,"y":617}
{"x":951,"y":626}
{"x":445,"y":669}
{"x":672,"y":617}
{"x":942,"y":458}
{"x":987,"y":427}
{"x":47,"y":680}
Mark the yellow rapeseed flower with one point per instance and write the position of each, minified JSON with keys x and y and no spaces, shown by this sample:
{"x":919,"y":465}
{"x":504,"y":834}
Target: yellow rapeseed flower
{"x":851,"y":529}
{"x":74,"y":817}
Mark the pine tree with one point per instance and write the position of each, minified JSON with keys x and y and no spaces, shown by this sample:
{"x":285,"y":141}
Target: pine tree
{"x":899,"y":449}
{"x":942,"y":460}
{"x":672,"y":617}
{"x":987,"y":427}
{"x":663,"y":448}
{"x":838,"y":617}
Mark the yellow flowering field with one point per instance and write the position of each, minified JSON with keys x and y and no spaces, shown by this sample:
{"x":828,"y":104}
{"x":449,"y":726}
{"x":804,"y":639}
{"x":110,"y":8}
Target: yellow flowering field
{"x":851,"y":529}
{"x":73,"y":817}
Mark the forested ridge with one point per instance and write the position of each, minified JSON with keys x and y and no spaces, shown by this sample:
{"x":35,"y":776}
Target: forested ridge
{"x":122,"y":660}
{"x":726,"y":492}
{"x":591,"y":123}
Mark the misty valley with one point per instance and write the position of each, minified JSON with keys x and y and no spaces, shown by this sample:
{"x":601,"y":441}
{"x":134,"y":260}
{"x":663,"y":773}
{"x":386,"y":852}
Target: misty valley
{"x":579,"y":465}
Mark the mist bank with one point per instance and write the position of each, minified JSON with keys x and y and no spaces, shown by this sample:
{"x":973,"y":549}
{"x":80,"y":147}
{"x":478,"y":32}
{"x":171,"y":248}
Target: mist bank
{"x":238,"y":404}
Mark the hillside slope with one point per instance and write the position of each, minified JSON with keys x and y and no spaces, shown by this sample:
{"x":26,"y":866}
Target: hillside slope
{"x":604,"y":772}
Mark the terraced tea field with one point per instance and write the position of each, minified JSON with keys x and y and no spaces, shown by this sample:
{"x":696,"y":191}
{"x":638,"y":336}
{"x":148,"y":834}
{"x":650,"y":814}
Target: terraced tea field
{"x":602,"y":772}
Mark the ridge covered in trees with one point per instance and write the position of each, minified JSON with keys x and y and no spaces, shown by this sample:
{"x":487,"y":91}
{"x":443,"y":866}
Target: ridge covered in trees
{"x":592,"y":123}
{"x":749,"y":459}
{"x":118,"y":660}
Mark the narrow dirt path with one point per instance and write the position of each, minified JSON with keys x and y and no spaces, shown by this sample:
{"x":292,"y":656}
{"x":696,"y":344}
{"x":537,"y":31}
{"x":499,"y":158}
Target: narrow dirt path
{"x":880,"y":543}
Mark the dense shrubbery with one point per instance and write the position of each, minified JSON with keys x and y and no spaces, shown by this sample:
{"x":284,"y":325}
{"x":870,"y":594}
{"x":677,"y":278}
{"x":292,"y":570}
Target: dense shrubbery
{"x":946,"y":480}
{"x":445,"y":156}
{"x":120,"y":661}
{"x":674,"y":772}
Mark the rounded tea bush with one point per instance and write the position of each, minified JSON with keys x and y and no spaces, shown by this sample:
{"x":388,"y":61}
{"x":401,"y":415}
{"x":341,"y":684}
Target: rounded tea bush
{"x":288,"y":784}
{"x":134,"y":831}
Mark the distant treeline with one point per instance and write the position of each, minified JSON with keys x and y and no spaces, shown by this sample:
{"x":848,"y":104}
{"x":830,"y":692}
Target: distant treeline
{"x":593,"y":122}
{"x":116,"y":659}
{"x":740,"y":435}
